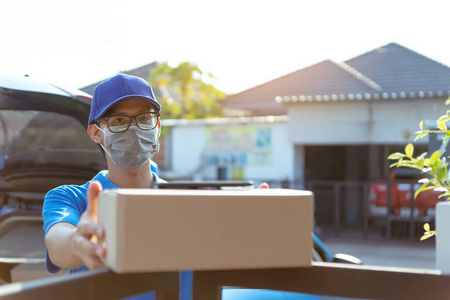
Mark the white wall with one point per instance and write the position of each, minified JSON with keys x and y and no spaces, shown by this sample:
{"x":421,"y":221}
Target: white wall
{"x":331,"y":123}
{"x":283,"y":158}
{"x":360,"y":122}
{"x":188,"y":143}
{"x":391,"y":118}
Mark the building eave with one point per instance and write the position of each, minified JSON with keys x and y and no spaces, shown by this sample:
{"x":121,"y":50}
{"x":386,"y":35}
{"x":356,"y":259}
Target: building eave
{"x":225,"y":121}
{"x":360,"y":97}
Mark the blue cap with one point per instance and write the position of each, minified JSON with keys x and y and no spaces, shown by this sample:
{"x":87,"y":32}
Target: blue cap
{"x":119,"y":88}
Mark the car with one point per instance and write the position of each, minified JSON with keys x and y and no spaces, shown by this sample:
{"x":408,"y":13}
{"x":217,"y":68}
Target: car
{"x":403,"y":184}
{"x":44,"y":144}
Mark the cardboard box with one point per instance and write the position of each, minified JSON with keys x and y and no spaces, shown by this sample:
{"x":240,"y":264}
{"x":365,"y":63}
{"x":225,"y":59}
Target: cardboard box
{"x":169,"y":230}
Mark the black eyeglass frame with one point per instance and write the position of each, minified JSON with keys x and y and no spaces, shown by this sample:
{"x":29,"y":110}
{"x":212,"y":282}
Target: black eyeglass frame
{"x":129,"y":121}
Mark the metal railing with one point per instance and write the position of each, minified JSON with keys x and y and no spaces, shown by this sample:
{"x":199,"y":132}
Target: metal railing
{"x":337,"y":189}
{"x":340,"y":190}
{"x":331,"y":198}
{"x":328,"y":279}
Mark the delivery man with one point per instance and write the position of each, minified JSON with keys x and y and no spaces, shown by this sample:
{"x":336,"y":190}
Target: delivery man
{"x":124,"y":120}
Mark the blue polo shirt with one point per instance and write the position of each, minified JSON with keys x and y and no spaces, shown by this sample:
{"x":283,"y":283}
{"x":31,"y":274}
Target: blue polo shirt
{"x":67,"y":203}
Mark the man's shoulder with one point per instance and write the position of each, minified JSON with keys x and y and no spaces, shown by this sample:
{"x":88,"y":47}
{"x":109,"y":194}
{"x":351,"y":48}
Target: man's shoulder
{"x":68,"y":189}
{"x":75,"y":189}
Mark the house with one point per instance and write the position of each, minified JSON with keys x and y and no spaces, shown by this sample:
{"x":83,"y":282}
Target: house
{"x":345,"y":118}
{"x":388,"y":69}
{"x":330,"y":122}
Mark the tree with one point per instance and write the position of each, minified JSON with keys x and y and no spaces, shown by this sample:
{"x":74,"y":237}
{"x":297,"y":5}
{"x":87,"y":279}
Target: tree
{"x":185,"y":92}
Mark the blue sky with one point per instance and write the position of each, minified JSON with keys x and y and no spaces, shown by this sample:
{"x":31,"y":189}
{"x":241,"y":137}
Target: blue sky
{"x":243,"y":43}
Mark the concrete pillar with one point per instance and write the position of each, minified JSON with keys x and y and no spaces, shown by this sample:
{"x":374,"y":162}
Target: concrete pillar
{"x":299,"y":163}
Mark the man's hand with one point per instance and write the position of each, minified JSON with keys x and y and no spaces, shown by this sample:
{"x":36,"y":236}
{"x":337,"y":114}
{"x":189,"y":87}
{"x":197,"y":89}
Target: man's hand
{"x":264,"y":185}
{"x":88,"y":233}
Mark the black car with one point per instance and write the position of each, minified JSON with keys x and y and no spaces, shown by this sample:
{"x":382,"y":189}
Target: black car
{"x":43,"y":140}
{"x":43,"y":144}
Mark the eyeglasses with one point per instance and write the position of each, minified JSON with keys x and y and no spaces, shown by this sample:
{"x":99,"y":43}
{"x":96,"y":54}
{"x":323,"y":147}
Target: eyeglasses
{"x":117,"y":124}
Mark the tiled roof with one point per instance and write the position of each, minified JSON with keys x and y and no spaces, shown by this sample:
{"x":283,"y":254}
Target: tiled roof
{"x":398,"y":69}
{"x":317,"y":79}
{"x":142,"y":72}
{"x":394,"y":71}
{"x":389,"y":72}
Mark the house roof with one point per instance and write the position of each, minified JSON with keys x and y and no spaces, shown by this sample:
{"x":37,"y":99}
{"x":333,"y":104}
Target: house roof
{"x":317,"y":79}
{"x":143,"y":72}
{"x":388,"y":72}
{"x":399,"y":69}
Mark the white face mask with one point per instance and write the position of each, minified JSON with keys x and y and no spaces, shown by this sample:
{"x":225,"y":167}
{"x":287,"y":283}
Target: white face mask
{"x":131,"y":148}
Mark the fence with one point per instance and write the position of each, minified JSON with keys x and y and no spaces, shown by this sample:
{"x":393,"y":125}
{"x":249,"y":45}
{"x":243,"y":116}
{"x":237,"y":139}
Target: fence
{"x":363,"y":282}
{"x":341,"y":204}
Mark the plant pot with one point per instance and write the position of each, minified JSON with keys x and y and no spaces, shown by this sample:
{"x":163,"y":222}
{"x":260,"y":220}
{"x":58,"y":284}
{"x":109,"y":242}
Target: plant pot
{"x":443,"y":237}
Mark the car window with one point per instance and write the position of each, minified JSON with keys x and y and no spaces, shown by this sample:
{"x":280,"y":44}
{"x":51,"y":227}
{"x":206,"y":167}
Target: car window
{"x":45,"y":139}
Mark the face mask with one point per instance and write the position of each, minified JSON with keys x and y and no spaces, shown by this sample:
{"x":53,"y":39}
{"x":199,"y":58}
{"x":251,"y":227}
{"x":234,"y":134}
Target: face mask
{"x":131,"y":148}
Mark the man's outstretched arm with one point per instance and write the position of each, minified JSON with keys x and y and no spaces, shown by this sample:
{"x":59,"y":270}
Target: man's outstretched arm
{"x":71,"y":247}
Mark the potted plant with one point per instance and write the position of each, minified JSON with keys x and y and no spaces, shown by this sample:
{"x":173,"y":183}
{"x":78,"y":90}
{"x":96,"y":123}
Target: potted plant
{"x":436,"y":166}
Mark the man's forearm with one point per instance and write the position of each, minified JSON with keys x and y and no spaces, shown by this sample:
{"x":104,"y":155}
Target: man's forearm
{"x":59,"y":245}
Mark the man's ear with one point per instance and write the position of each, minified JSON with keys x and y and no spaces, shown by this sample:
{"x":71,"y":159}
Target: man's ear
{"x":159,"y":128}
{"x":94,"y":133}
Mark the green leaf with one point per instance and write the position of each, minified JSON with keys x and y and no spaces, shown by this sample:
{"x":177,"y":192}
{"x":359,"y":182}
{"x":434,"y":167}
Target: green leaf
{"x":409,"y":150}
{"x":420,"y":163}
{"x":447,"y":102}
{"x":421,"y":125}
{"x":396,"y":155}
{"x":441,"y":173}
{"x":444,"y":118}
{"x":435,"y":156}
{"x":420,"y":135}
{"x":427,"y":235}
{"x":421,"y":156}
{"x":442,"y":126}
{"x":444,"y":195}
{"x":422,"y":189}
{"x":408,"y":164}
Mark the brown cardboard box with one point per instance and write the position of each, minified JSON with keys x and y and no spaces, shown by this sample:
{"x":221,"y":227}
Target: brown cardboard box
{"x":168,"y":230}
